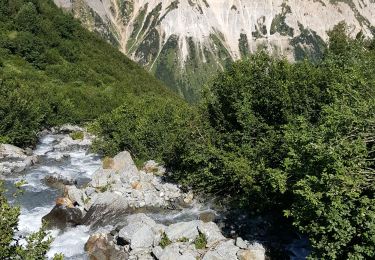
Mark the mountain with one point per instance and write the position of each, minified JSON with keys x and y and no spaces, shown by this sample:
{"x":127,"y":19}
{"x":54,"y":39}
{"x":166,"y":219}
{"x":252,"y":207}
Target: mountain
{"x":185,"y":42}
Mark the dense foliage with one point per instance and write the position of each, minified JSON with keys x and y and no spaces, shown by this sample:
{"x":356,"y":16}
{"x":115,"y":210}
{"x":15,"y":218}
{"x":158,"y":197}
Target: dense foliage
{"x":53,"y":71}
{"x":298,"y":138}
{"x":148,"y":127}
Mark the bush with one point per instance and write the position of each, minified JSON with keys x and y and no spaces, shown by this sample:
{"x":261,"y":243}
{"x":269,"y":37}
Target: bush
{"x":201,"y":241}
{"x":77,"y":135}
{"x":147,"y":126}
{"x":165,"y":241}
{"x":37,"y":244}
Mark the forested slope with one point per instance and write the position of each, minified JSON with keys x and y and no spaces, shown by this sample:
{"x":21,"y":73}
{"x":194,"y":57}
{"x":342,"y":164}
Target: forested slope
{"x":53,"y":71}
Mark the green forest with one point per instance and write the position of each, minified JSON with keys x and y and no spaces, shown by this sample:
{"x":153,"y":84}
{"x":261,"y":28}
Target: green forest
{"x":297,"y":138}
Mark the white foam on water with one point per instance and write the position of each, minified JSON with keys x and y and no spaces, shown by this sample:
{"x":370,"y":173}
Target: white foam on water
{"x":45,"y":144}
{"x":70,"y":243}
{"x":73,"y":164}
{"x":31,"y":220}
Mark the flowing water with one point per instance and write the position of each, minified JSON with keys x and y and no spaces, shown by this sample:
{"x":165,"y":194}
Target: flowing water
{"x":38,"y":199}
{"x":79,"y":164}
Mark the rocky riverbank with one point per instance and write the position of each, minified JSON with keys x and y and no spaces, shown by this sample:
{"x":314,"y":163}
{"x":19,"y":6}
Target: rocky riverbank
{"x":117,"y":193}
{"x":140,"y":237}
{"x":89,"y":200}
{"x":118,"y":204}
{"x":14,"y":159}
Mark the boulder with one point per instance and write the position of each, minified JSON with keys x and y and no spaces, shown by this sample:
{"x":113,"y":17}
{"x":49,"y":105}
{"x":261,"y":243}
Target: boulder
{"x":14,"y":159}
{"x":64,"y":202}
{"x":212,"y":233}
{"x":104,"y":177}
{"x":76,"y":195}
{"x":128,"y":231}
{"x":106,"y":208}
{"x":157,"y":251}
{"x":141,"y":231}
{"x":123,"y":162}
{"x":171,"y":252}
{"x":225,"y":250}
{"x":11,"y":152}
{"x":188,"y":198}
{"x":181,"y":230}
{"x":153,"y":167}
{"x":142,"y":238}
{"x":241,"y":243}
{"x":101,"y":247}
{"x":68,"y":144}
{"x":58,"y":181}
{"x":254,"y":252}
{"x":62,"y":217}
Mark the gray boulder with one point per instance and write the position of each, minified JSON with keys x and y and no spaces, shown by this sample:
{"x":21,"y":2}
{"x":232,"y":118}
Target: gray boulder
{"x":123,"y":162}
{"x":142,"y":238}
{"x":211,"y":232}
{"x":241,"y":243}
{"x":225,"y":250}
{"x":76,"y":195}
{"x":141,"y":231}
{"x":58,"y":181}
{"x":181,"y":230}
{"x":14,"y":159}
{"x":105,"y":209}
{"x":253,"y":252}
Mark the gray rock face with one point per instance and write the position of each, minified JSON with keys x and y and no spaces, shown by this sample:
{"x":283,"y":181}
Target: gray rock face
{"x":188,"y":29}
{"x":14,"y":159}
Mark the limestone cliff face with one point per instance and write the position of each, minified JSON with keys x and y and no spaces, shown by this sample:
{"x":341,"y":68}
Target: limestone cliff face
{"x":185,"y":41}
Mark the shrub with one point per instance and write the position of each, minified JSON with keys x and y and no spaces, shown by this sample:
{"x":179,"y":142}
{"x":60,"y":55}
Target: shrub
{"x":165,"y":241}
{"x":148,"y":127}
{"x":37,"y":244}
{"x":77,"y":135}
{"x":183,"y":239}
{"x":201,"y":241}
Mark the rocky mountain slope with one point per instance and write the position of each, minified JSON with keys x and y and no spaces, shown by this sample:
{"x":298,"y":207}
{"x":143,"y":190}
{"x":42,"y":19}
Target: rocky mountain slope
{"x":184,"y":42}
